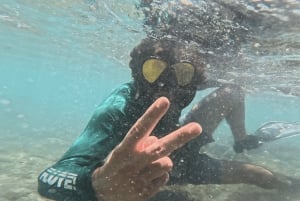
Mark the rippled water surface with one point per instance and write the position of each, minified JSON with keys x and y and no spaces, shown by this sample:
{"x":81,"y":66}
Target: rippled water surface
{"x":59,"y":59}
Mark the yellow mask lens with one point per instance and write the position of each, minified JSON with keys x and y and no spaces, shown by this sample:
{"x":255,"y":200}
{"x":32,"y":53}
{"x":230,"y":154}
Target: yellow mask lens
{"x":153,"y":68}
{"x":184,"y":73}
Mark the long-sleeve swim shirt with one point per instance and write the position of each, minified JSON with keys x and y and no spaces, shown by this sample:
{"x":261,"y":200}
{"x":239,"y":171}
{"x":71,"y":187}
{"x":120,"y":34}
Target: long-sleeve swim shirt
{"x":69,"y":179}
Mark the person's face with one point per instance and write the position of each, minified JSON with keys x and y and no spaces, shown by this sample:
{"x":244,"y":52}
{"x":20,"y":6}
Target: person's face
{"x":173,"y":79}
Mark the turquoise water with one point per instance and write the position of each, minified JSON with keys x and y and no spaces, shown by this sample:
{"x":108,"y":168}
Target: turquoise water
{"x":58,"y":60}
{"x":52,"y":64}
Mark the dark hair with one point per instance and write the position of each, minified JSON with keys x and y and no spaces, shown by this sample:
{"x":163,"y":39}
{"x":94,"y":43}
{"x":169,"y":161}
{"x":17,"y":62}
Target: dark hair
{"x":170,"y":50}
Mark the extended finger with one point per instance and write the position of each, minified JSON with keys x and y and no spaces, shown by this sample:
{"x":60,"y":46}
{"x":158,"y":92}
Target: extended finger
{"x":169,"y":143}
{"x":145,"y":124}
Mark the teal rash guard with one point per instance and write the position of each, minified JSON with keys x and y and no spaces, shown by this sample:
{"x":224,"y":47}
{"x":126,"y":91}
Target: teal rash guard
{"x":69,"y":179}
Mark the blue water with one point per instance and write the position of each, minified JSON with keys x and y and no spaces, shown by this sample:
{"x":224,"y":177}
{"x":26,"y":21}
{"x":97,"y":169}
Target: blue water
{"x":49,"y":68}
{"x":59,"y":60}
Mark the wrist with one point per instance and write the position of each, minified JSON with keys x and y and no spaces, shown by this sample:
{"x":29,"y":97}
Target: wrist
{"x":98,"y":184}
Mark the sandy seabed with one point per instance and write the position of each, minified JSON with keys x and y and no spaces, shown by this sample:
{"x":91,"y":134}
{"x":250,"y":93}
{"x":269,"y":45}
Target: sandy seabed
{"x":21,"y":165}
{"x":22,"y":159}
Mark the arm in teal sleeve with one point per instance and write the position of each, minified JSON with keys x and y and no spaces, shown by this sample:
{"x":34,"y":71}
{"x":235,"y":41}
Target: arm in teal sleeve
{"x":70,"y":177}
{"x":61,"y":185}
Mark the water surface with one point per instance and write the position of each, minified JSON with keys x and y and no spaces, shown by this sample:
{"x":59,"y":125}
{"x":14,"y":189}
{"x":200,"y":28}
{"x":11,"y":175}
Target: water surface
{"x":59,"y":59}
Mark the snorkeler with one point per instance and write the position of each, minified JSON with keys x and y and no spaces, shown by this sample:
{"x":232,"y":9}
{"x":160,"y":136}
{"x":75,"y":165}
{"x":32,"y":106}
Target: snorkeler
{"x":106,"y":164}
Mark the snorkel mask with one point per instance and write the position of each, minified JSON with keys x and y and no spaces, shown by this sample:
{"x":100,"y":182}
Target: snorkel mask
{"x":166,"y":65}
{"x":154,"y":68}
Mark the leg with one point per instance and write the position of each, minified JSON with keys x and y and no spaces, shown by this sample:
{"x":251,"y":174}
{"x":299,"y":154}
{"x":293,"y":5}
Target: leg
{"x":233,"y":172}
{"x":168,"y":195}
{"x":190,"y":167}
{"x":202,"y":169}
{"x":226,"y":103}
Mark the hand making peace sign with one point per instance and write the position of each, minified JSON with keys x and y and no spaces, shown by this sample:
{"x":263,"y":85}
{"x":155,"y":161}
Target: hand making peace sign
{"x":139,"y":166}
